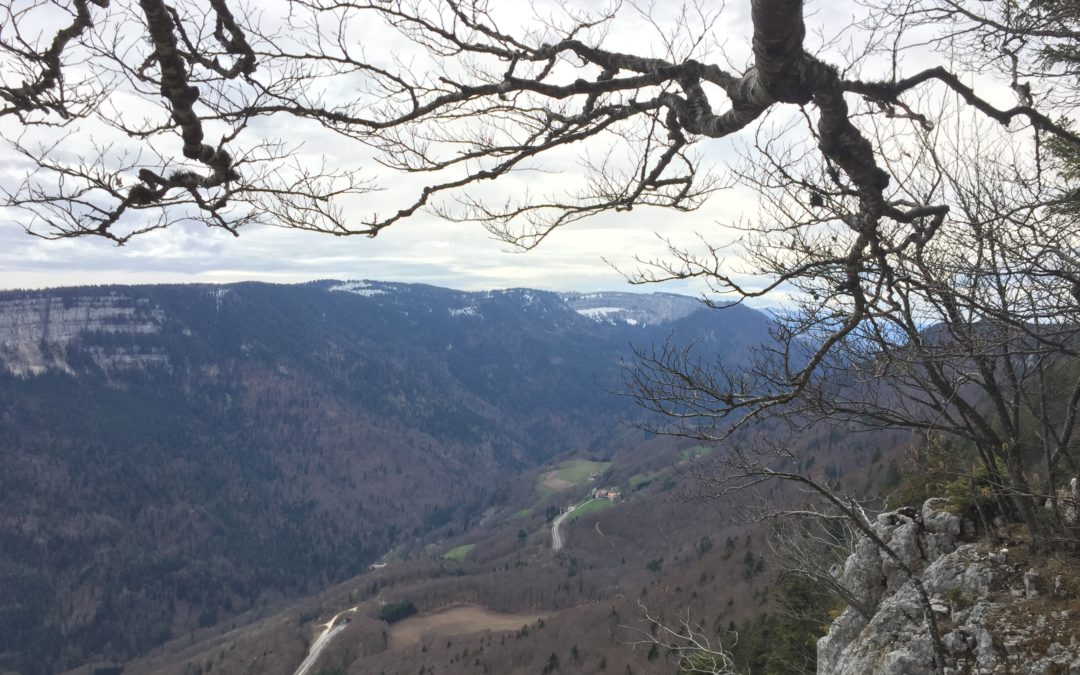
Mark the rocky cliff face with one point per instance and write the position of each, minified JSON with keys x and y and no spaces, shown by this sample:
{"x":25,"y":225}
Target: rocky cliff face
{"x":36,"y":330}
{"x":997,"y":611}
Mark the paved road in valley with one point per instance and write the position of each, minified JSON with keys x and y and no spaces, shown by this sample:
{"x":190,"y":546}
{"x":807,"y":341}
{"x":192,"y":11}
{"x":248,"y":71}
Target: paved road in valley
{"x":322,"y":642}
{"x":556,"y":539}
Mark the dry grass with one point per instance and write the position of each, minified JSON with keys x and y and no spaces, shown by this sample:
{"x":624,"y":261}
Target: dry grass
{"x":458,"y":620}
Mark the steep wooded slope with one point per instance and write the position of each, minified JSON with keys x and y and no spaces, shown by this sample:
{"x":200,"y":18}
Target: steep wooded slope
{"x":174,"y":455}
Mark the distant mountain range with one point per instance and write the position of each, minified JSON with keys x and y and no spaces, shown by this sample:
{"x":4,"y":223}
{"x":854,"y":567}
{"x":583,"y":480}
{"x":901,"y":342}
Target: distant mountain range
{"x":173,"y":455}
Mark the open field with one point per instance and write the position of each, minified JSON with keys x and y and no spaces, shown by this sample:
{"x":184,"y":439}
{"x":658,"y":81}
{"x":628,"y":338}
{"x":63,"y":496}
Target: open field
{"x":588,"y":507}
{"x":567,"y":475}
{"x":639,"y":479}
{"x":457,"y":621}
{"x":696,"y":452}
{"x":458,"y":553}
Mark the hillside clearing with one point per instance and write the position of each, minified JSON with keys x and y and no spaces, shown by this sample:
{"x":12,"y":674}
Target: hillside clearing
{"x":639,"y":479}
{"x":567,"y":475}
{"x":457,"y":621}
{"x":588,"y":507}
{"x":458,"y":553}
{"x":696,"y":452}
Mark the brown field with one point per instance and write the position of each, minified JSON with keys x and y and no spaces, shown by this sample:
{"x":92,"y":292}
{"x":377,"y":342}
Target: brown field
{"x":555,"y":483}
{"x":457,"y":620}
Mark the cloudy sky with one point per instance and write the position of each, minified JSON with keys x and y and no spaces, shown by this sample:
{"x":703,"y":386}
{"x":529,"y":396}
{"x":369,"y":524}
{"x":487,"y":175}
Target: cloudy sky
{"x":424,"y":249}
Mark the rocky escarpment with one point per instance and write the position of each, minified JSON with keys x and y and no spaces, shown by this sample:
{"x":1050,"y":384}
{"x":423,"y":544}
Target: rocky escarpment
{"x":997,"y":610}
{"x":36,"y":331}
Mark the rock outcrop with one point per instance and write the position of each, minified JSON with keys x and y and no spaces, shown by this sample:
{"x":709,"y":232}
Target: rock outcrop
{"x":36,"y":331}
{"x":994,"y":609}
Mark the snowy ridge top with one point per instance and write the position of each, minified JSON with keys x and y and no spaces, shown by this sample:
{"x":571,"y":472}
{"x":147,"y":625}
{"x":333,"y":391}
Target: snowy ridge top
{"x":611,"y":307}
{"x":632,"y":308}
{"x":363,"y":288}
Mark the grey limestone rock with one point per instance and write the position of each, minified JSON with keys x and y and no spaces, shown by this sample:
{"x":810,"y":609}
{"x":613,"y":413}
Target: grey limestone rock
{"x":855,"y":646}
{"x":1032,"y":582}
{"x":985,"y":629}
{"x":35,"y":331}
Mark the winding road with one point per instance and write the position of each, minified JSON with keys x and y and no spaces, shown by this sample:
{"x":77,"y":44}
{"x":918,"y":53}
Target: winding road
{"x":556,"y":538}
{"x":330,"y":630}
{"x":322,"y":642}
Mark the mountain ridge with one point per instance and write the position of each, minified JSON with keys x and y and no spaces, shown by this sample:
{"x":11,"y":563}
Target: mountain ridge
{"x":199,"y":450}
{"x":33,"y":324}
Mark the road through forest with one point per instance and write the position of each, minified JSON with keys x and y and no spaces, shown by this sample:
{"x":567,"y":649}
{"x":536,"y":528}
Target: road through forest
{"x":556,"y":538}
{"x":322,"y":642}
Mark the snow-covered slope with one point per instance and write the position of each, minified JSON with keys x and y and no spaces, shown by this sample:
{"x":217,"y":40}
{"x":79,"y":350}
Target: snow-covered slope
{"x":613,"y":308}
{"x":635,"y":309}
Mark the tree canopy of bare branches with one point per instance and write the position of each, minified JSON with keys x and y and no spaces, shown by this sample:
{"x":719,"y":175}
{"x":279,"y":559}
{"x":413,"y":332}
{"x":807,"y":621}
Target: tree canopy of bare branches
{"x":200,"y":91}
{"x":880,"y":214}
{"x":132,"y":116}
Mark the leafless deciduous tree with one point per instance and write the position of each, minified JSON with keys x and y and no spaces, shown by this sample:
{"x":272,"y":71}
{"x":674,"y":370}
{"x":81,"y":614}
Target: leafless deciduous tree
{"x":821,"y":511}
{"x":870,"y":231}
{"x":813,"y":544}
{"x":200,"y":87}
{"x":136,"y":115}
{"x":687,"y":643}
{"x":972,"y":333}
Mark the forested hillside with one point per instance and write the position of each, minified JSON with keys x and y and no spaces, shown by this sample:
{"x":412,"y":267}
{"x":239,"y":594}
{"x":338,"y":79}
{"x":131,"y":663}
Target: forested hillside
{"x":176,"y":455}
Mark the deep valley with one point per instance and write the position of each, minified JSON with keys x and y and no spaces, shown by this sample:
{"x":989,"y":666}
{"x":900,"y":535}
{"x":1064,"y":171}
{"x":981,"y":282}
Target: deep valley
{"x":182,"y":461}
